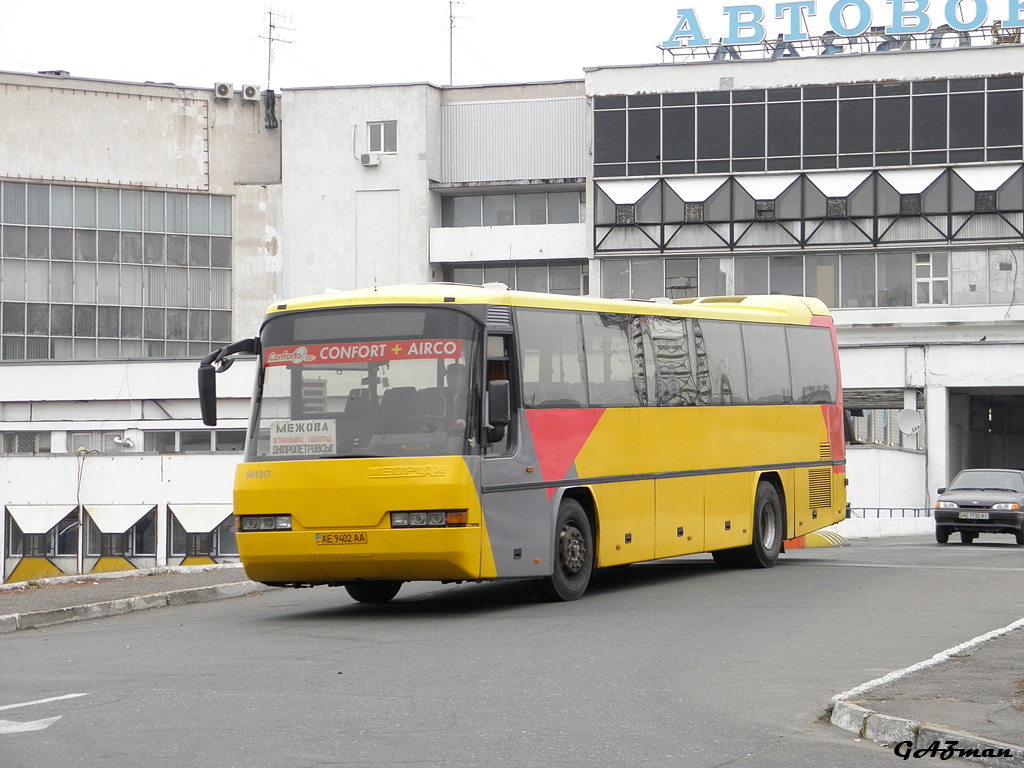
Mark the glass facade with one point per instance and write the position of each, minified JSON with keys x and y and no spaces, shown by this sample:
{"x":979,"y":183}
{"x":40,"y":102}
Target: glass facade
{"x":93,"y":272}
{"x":568,"y":278}
{"x":814,"y":127}
{"x":507,"y":209}
{"x":841,"y":280}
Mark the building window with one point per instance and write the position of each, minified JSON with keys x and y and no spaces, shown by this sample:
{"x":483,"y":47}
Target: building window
{"x":568,"y":279}
{"x":814,"y":127}
{"x":219,"y":541}
{"x":764,"y":209}
{"x":225,"y":537}
{"x":137,"y":541}
{"x":382,"y":136}
{"x":106,"y":273}
{"x":931,"y":277}
{"x":26,"y":443}
{"x":524,"y":208}
{"x":878,"y":426}
{"x":194,"y":441}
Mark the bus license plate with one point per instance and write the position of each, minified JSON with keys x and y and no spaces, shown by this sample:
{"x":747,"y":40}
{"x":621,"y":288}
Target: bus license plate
{"x":973,"y":515}
{"x":340,"y":538}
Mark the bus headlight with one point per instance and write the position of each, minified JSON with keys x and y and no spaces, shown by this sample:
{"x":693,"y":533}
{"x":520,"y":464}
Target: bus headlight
{"x":248,"y":523}
{"x":429,"y":518}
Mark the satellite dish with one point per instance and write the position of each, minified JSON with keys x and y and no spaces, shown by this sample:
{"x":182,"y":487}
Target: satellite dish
{"x":909,"y":421}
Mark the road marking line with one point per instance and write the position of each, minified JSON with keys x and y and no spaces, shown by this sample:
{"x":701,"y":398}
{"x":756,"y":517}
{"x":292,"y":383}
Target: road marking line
{"x":9,"y":726}
{"x":43,"y":701}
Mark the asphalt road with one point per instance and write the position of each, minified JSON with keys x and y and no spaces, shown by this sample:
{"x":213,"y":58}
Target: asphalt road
{"x":677,"y":663}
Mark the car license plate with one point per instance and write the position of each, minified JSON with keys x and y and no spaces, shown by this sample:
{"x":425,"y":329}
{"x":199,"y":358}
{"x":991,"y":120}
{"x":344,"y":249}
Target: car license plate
{"x":973,"y":515}
{"x":340,"y":538}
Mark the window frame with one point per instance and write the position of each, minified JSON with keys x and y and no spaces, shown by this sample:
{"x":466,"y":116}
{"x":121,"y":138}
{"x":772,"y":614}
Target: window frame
{"x":382,"y":137}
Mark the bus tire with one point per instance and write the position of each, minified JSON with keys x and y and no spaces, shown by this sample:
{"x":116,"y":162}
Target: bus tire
{"x":574,"y":554}
{"x":372,"y":591}
{"x":768,"y":529}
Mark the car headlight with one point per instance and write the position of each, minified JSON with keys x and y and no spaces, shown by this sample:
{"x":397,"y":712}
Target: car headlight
{"x":946,"y":505}
{"x":1006,"y":505}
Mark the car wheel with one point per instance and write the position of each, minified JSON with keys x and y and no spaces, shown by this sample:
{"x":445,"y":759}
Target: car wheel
{"x":1019,"y":533}
{"x":941,"y":534}
{"x":967,"y":537}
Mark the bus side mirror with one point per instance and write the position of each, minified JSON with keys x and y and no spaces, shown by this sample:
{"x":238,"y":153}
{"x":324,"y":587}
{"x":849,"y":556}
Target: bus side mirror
{"x":499,"y":409}
{"x":216,"y":362}
{"x":208,"y":393}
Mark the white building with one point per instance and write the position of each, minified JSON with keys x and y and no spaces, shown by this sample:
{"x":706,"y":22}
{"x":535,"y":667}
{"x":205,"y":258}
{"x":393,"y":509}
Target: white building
{"x":143,"y":225}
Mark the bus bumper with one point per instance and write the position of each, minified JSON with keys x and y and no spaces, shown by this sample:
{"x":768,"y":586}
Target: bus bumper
{"x":296,"y":557}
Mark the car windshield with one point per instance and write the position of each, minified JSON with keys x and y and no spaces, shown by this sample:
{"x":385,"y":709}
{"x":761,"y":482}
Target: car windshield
{"x":358,"y":382}
{"x":988,"y":480}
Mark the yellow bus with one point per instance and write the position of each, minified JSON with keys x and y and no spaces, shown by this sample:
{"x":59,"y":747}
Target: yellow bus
{"x":457,"y":433}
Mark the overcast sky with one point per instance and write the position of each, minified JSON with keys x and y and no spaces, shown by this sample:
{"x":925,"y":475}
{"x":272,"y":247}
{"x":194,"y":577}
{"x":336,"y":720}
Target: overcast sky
{"x":348,"y":42}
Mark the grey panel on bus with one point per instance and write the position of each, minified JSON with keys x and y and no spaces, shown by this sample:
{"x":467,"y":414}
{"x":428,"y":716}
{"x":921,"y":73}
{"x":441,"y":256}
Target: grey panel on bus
{"x":520,"y":522}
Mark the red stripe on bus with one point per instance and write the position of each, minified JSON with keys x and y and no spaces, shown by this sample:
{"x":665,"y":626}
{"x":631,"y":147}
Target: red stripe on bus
{"x":559,"y":435}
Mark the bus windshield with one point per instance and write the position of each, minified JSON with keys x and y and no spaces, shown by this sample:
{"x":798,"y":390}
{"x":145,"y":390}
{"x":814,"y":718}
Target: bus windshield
{"x":358,"y":382}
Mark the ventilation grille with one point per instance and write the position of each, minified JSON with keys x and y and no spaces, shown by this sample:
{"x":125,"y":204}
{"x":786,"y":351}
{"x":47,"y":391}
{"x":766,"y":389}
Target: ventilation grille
{"x":824,"y":451}
{"x":819,"y":488}
{"x":499,"y":316}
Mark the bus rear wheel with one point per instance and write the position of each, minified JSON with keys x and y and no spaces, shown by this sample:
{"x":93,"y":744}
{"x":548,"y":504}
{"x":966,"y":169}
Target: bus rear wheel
{"x":574,"y":554}
{"x":372,"y":591}
{"x":768,"y":529}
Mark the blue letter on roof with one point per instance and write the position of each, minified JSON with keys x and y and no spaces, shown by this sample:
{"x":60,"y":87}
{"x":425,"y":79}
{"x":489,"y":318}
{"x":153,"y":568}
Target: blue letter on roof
{"x":741,"y":19}
{"x":900,"y":15}
{"x":795,"y":8}
{"x":687,"y":31}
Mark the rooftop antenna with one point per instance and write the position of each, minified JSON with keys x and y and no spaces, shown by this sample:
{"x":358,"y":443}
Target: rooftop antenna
{"x":451,"y":38}
{"x":273,"y":17}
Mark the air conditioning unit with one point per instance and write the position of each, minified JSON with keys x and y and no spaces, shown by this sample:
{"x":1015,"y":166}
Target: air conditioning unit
{"x":370,"y":158}
{"x":250,"y":93}
{"x":223,"y":90}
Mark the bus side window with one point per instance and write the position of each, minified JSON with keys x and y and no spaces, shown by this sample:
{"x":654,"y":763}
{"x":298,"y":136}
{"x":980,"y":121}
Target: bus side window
{"x":724,"y":362}
{"x":499,"y":369}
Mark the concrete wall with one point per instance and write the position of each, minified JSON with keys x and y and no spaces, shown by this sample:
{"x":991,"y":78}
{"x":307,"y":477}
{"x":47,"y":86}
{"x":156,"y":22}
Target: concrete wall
{"x":355,"y":226}
{"x":882,"y":477}
{"x":548,"y":242}
{"x":130,"y":134}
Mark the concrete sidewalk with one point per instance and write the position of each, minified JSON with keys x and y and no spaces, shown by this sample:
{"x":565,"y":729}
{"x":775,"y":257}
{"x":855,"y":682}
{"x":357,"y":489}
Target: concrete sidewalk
{"x":972,"y":695}
{"x":46,"y":602}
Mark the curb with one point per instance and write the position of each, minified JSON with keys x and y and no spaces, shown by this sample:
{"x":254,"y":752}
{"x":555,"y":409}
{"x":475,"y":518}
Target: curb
{"x":866,"y":723}
{"x":887,"y":729}
{"x":40,"y":619}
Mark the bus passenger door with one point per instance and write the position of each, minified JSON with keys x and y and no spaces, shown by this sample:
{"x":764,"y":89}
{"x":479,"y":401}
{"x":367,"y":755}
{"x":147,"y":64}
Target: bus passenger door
{"x":516,"y":506}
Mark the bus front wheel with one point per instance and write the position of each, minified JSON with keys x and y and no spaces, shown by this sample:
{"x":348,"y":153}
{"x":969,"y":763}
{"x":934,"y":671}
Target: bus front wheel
{"x":768,"y":529}
{"x":372,"y":591}
{"x":574,"y":554}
